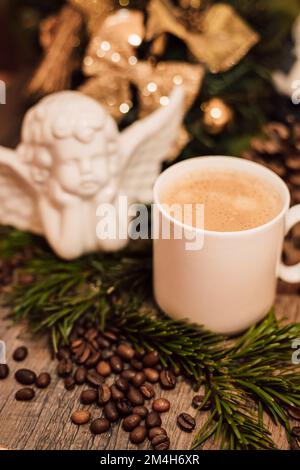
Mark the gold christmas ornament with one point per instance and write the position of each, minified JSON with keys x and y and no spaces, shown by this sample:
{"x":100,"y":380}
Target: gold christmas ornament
{"x":224,"y":38}
{"x":113,"y":65}
{"x":217,"y":115}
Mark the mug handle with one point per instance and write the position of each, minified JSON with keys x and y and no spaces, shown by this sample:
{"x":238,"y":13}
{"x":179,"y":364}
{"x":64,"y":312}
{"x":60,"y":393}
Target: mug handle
{"x":291,"y":273}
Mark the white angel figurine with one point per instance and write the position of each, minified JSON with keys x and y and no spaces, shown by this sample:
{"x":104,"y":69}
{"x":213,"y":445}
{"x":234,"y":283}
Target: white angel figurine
{"x":72,"y":158}
{"x":287,"y":83}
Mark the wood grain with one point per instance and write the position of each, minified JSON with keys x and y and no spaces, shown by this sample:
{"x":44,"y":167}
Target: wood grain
{"x":45,"y":423}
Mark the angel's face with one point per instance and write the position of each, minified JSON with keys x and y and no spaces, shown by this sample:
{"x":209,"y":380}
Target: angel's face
{"x":81,"y":168}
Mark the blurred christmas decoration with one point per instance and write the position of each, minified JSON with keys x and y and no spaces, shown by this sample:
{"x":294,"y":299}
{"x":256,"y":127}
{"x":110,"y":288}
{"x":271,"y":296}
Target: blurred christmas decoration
{"x":59,"y":36}
{"x":94,"y":11}
{"x":224,"y":38}
{"x":112,"y":63}
{"x":279,"y":150}
{"x":215,"y":35}
{"x":190,"y":13}
{"x":217,"y":115}
{"x":288,"y":83}
{"x":112,"y":60}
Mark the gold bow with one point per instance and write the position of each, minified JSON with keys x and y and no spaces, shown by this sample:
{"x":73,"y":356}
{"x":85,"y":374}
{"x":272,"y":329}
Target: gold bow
{"x":224,"y":39}
{"x":112,"y":64}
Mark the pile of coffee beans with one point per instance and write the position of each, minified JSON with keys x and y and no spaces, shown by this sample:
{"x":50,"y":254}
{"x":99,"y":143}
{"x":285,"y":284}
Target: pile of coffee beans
{"x":25,"y":376}
{"x":120,"y":381}
{"x":117,"y":379}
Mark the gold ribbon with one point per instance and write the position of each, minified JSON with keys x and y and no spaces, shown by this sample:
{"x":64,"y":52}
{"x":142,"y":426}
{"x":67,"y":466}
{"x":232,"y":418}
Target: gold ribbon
{"x":225,"y":38}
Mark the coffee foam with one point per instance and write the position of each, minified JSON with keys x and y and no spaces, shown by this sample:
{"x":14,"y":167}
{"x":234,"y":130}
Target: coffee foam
{"x":233,"y":200}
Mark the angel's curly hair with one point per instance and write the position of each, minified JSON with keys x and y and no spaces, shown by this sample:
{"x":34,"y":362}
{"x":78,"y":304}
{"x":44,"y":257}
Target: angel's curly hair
{"x":59,"y":116}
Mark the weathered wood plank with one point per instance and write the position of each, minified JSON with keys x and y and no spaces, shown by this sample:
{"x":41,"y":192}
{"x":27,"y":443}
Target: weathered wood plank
{"x":45,"y":422}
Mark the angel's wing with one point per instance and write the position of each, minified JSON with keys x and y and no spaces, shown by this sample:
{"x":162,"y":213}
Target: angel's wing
{"x":17,"y":196}
{"x":286,"y":83}
{"x":145,"y":144}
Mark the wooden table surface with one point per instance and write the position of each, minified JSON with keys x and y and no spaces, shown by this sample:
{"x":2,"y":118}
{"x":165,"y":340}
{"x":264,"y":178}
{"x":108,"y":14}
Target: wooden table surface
{"x":45,"y":422}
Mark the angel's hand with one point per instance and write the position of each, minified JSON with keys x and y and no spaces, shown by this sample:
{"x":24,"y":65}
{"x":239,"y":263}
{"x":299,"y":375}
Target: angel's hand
{"x":58,"y":196}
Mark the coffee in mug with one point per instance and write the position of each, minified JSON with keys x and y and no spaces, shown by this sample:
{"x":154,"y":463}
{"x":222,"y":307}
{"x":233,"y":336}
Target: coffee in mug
{"x":232,"y":200}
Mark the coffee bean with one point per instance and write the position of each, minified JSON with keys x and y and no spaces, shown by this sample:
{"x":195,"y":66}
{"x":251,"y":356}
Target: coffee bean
{"x":116,"y":394}
{"x":110,"y":335}
{"x":111,"y":412}
{"x":131,"y":422}
{"x":94,"y":379}
{"x":125,"y":351}
{"x":82,"y":358}
{"x":88,"y":396}
{"x":138,"y":379}
{"x":295,"y":443}
{"x":151,"y":359}
{"x":25,"y":394}
{"x":136,"y":364}
{"x":106,"y":354}
{"x":156,"y":431}
{"x":20,"y":354}
{"x":25,"y":376}
{"x":124,"y":407}
{"x":76,"y":344}
{"x":138,"y":435}
{"x":4,"y":371}
{"x":104,"y":394}
{"x":93,"y":359}
{"x":64,"y":367}
{"x":153,"y":419}
{"x":69,"y":383}
{"x":99,"y":426}
{"x":122,"y":384}
{"x":167,"y":379}
{"x":294,"y":412}
{"x":161,"y":405}
{"x":296,"y":431}
{"x":63,"y":353}
{"x":103,"y":368}
{"x":80,"y":351}
{"x":160,"y":442}
{"x":80,"y":417}
{"x":91,"y":334}
{"x":186,"y":422}
{"x":135,"y":397}
{"x":198,"y":400}
{"x":152,"y":375}
{"x":80,"y":375}
{"x":140,"y":410}
{"x":43,"y":380}
{"x":116,"y":364}
{"x":128,"y":374}
{"x":147,"y":391}
{"x":102,"y":342}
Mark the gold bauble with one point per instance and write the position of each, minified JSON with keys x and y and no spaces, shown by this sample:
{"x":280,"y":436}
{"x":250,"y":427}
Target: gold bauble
{"x":217,"y":115}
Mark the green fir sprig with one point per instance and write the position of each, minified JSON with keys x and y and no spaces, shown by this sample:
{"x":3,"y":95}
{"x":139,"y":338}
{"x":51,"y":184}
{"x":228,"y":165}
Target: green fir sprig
{"x":244,"y":378}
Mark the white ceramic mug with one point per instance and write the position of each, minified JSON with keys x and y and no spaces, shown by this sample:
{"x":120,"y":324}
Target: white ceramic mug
{"x":230,"y":283}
